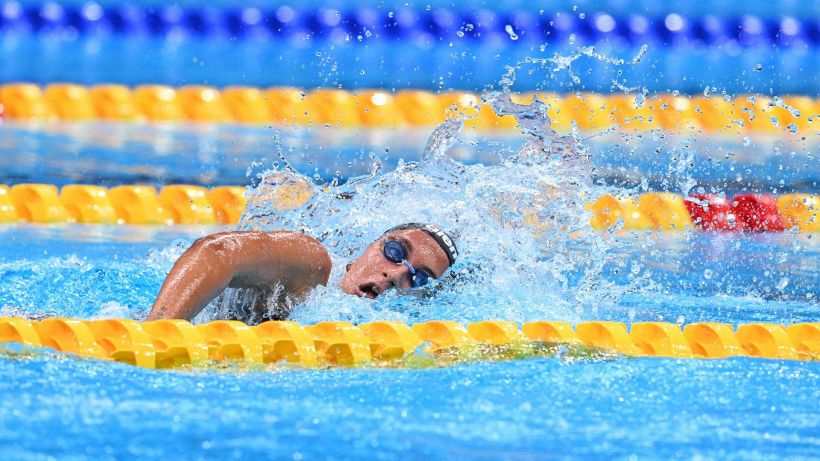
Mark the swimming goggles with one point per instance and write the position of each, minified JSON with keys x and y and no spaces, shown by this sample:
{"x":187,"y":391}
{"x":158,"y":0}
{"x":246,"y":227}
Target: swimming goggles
{"x":396,"y":253}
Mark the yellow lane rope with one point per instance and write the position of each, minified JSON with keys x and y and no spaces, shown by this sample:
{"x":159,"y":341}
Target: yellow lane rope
{"x":170,"y":343}
{"x":406,"y":108}
{"x":187,"y":204}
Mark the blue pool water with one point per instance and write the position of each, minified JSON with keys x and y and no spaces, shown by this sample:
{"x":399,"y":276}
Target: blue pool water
{"x":540,"y":408}
{"x":487,"y":187}
{"x":535,"y":409}
{"x":741,"y":408}
{"x":223,"y":62}
{"x":111,"y":154}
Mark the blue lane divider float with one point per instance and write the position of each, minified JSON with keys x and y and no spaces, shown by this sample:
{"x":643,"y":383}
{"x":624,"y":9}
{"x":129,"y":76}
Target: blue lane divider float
{"x":365,"y":24}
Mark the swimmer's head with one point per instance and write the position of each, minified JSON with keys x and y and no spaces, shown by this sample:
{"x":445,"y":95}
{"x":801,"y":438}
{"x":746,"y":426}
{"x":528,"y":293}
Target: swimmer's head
{"x":406,"y":257}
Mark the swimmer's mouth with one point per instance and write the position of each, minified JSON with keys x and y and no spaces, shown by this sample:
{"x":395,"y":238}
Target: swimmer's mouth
{"x":369,"y":290}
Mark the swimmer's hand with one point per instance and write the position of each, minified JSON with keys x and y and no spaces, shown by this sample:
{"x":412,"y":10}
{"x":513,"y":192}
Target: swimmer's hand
{"x":240,"y":259}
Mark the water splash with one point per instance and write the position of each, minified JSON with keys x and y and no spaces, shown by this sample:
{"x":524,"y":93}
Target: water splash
{"x":526,"y":252}
{"x":559,"y":63}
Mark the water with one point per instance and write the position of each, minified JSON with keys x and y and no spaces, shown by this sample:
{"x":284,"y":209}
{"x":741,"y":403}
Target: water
{"x":527,"y":254}
{"x":739,"y":408}
{"x":113,"y":153}
{"x":537,"y":409}
{"x":99,"y":271}
{"x":521,"y":224}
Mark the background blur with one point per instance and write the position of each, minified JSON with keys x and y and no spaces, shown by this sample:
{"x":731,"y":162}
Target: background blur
{"x":755,"y":46}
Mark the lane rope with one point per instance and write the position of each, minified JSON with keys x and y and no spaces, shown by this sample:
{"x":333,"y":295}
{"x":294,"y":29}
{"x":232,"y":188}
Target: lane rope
{"x":172,"y":343}
{"x":363,"y":25}
{"x":192,"y":205}
{"x":407,"y":108}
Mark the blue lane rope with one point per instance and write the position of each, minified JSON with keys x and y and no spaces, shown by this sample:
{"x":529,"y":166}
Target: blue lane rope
{"x":364,"y":24}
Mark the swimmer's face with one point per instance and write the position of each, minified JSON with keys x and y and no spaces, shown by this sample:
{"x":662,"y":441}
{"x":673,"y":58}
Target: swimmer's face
{"x":372,"y":273}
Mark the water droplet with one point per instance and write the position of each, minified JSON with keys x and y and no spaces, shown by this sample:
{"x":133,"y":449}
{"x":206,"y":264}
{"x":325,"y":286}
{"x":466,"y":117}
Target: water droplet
{"x":511,"y":32}
{"x":783,"y":283}
{"x":747,"y":140}
{"x":758,"y":67}
{"x":708,"y":274}
{"x":775,"y":121}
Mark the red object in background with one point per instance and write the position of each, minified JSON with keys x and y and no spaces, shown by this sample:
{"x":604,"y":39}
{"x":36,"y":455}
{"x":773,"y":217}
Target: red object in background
{"x":710,"y":212}
{"x":758,"y":212}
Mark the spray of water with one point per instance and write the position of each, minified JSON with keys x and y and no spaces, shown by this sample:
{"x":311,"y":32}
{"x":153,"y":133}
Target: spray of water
{"x":521,"y":226}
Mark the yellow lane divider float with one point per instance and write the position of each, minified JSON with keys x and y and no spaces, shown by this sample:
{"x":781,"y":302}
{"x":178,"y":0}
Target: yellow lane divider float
{"x":172,"y":343}
{"x":79,"y":203}
{"x":406,"y":108}
{"x":186,"y":204}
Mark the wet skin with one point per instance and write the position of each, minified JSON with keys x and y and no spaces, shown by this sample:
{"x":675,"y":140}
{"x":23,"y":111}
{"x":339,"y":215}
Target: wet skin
{"x":264,"y":260}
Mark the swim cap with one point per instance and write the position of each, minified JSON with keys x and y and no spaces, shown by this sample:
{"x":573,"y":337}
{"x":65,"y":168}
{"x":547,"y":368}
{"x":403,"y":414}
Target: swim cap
{"x":444,"y":241}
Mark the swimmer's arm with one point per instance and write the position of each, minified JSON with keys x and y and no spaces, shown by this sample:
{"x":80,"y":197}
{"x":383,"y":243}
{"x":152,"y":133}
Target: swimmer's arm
{"x":240,"y":260}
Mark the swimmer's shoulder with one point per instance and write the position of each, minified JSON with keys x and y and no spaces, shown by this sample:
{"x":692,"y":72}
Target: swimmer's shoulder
{"x":309,"y":258}
{"x":297,"y":238}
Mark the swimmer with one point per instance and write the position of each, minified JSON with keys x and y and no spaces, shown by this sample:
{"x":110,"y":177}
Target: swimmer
{"x":287,"y":265}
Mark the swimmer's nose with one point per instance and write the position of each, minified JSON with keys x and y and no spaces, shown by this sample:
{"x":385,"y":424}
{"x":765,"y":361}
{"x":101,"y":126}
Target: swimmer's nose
{"x":397,"y":275}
